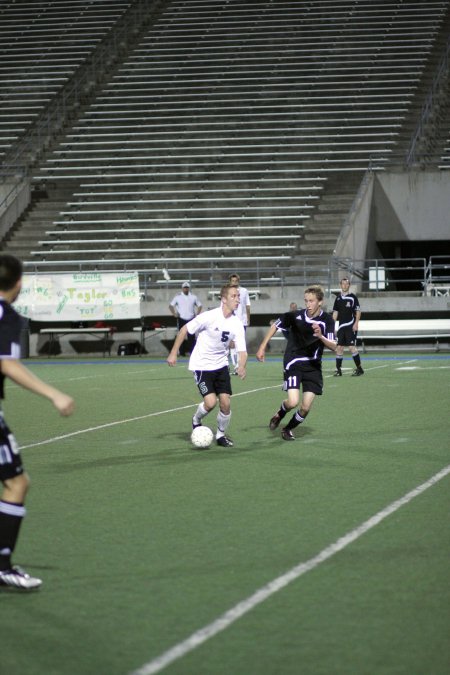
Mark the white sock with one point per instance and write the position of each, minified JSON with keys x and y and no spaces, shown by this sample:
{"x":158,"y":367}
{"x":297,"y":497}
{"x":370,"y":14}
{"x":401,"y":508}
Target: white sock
{"x":222,"y":423}
{"x":200,"y":413}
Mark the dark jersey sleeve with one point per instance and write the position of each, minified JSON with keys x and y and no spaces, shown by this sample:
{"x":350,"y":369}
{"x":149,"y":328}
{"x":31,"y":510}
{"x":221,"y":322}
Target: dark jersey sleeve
{"x":286,"y":321}
{"x":10,"y":325}
{"x":330,"y":325}
{"x":9,"y":332}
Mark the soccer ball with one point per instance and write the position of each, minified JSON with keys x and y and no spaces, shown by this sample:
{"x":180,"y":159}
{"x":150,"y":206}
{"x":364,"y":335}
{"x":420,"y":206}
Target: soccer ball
{"x":202,"y":437}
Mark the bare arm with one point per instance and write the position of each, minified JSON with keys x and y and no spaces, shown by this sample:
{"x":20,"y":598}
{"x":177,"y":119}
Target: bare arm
{"x":173,"y":311}
{"x":19,"y":374}
{"x":180,"y":338}
{"x":242,"y":362}
{"x":262,"y":347}
{"x":357,"y":318}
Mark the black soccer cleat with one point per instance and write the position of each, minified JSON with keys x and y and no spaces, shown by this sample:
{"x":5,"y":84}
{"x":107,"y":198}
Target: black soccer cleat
{"x":359,"y":371}
{"x":224,"y":442}
{"x":274,"y":422}
{"x":337,"y":373}
{"x":287,"y":435}
{"x":17,"y":579}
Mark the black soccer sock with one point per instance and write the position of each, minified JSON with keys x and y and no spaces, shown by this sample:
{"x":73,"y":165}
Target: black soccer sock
{"x":11,"y":516}
{"x":296,"y":420}
{"x":282,"y":411}
{"x":339,"y":360}
{"x":357,"y":359}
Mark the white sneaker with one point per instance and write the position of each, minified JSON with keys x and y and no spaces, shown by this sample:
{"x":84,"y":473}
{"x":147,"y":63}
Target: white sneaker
{"x":17,"y":578}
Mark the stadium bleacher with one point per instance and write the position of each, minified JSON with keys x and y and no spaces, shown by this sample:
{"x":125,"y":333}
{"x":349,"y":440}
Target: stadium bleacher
{"x":42,"y":45}
{"x":216,"y":136}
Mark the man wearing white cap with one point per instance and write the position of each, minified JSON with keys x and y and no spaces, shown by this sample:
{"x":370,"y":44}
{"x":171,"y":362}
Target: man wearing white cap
{"x":184,"y":307}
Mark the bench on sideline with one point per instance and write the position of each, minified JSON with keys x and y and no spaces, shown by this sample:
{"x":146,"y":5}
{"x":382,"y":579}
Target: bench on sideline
{"x":101,"y":333}
{"x":404,"y":329}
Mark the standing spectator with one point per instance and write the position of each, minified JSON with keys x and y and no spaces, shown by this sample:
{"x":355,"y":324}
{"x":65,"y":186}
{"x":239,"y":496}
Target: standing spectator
{"x":309,"y":331}
{"x":184,"y":307}
{"x":346,"y":310}
{"x":209,"y":360}
{"x":243,"y":312}
{"x":12,"y":473}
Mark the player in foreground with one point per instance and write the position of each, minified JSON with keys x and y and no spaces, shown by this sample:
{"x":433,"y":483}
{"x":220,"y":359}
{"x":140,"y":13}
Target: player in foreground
{"x":347,"y":311}
{"x":15,"y":480}
{"x":209,"y":360}
{"x":308,"y":332}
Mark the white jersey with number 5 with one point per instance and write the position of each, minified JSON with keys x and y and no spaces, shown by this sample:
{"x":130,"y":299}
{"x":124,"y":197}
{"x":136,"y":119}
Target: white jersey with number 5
{"x":214,"y":334}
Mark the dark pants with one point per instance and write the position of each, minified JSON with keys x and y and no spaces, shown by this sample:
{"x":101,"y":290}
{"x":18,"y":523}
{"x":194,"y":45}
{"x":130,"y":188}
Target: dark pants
{"x":189,"y":344}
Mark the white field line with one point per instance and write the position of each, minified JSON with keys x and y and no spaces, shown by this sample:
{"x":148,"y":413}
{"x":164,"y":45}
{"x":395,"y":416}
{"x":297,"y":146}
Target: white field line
{"x":153,"y":414}
{"x":130,"y":419}
{"x":265,"y":592}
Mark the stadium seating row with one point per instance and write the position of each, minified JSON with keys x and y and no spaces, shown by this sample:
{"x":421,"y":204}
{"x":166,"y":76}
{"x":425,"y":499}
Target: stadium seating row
{"x":224,"y":124}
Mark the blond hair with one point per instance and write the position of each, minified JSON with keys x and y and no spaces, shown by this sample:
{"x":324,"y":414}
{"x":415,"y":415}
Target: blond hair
{"x":316,"y":290}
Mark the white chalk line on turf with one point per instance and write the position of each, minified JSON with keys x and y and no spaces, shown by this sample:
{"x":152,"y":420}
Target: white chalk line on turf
{"x":153,"y":414}
{"x":265,"y":592}
{"x":130,"y":419}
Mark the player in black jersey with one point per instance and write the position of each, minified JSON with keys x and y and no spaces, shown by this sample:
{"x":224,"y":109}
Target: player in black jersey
{"x":308,"y":331}
{"x":12,"y":475}
{"x":346,"y":310}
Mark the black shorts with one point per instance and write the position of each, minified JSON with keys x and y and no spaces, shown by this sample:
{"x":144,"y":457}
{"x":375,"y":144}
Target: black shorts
{"x":346,"y":336}
{"x":10,"y":459}
{"x":309,"y":379}
{"x":213,"y":381}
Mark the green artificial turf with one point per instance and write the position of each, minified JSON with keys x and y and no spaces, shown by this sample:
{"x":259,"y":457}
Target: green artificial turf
{"x":141,"y":540}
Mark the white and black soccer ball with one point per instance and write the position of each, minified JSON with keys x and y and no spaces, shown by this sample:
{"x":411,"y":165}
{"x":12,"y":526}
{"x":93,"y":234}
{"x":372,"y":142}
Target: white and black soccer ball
{"x":202,"y":437}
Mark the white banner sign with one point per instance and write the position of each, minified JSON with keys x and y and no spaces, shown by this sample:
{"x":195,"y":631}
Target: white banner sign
{"x":96,"y":296}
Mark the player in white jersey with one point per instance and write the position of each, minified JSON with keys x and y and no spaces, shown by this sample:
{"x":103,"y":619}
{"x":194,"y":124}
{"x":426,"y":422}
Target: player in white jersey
{"x":209,"y":360}
{"x":243,"y":312}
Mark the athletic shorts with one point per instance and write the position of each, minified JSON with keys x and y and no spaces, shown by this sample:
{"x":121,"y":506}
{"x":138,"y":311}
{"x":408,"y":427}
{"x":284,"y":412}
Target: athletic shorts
{"x":213,"y":381}
{"x":310,"y":380}
{"x":346,"y":336}
{"x":10,"y":459}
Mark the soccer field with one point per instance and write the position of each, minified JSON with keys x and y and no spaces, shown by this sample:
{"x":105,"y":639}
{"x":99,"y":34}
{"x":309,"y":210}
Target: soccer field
{"x":324,"y":556}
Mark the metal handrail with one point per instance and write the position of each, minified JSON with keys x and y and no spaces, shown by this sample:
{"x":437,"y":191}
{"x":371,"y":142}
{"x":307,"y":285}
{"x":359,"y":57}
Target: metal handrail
{"x":407,"y":274}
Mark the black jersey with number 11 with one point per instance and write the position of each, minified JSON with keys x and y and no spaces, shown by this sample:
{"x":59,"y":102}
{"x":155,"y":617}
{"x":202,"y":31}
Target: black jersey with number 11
{"x":303,"y":348}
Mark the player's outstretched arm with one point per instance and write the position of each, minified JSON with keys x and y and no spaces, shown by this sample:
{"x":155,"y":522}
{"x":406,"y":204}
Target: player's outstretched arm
{"x":180,"y":338}
{"x":260,"y":354}
{"x":19,"y":374}
{"x":242,"y":363}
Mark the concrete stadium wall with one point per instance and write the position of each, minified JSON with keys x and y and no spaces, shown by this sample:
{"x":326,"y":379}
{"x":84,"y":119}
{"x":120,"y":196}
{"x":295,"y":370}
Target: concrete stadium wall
{"x":412,"y":206}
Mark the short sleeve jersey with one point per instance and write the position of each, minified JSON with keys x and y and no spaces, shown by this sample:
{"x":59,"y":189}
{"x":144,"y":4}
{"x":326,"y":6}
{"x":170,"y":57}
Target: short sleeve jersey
{"x":186,"y":304}
{"x":214,"y":333}
{"x":244,"y":302}
{"x":346,"y":307}
{"x":10,"y":325}
{"x":303,"y":348}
